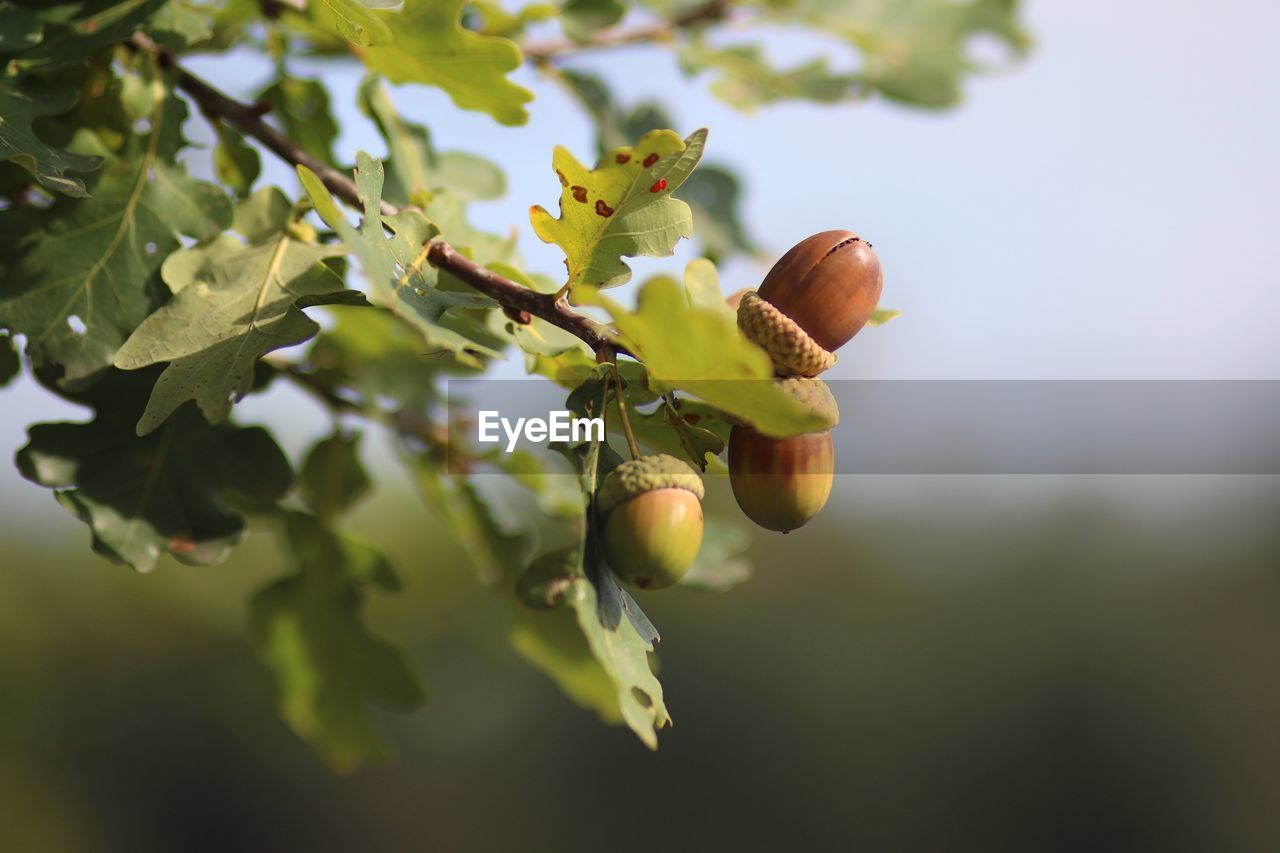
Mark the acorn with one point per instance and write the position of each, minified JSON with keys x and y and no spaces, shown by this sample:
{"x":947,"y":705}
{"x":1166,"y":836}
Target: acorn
{"x":782,"y":483}
{"x":816,"y":297}
{"x":653,"y":520}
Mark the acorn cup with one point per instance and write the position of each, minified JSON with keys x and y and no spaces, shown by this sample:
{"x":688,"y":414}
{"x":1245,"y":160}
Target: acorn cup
{"x":814,"y":299}
{"x":653,"y":520}
{"x":782,"y":483}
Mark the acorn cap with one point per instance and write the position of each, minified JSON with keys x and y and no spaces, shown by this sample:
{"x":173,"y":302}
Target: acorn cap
{"x":815,"y":395}
{"x":793,"y":352}
{"x":646,"y":474}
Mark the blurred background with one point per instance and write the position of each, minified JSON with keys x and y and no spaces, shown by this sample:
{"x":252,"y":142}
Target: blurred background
{"x":935,"y":663}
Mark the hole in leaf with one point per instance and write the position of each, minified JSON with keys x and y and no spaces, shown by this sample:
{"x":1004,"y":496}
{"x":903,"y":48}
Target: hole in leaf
{"x":151,"y":175}
{"x":150,"y":248}
{"x":642,"y":697}
{"x":142,"y":126}
{"x":76,"y":325}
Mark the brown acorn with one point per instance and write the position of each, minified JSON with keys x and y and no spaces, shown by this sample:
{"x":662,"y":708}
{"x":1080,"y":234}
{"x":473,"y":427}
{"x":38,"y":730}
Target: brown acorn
{"x":828,"y":284}
{"x":653,"y":520}
{"x":782,"y":483}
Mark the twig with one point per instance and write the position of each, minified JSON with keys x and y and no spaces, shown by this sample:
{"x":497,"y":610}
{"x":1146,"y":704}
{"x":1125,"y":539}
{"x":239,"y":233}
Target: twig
{"x":520,"y":302}
{"x":519,"y":298}
{"x":619,"y":36}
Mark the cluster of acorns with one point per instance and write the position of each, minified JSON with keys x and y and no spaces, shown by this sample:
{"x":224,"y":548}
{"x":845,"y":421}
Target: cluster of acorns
{"x":817,"y":297}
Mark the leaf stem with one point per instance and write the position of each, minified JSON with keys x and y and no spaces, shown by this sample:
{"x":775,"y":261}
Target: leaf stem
{"x":622,"y":408}
{"x":676,"y":420}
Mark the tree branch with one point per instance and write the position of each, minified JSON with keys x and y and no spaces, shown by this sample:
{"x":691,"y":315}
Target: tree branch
{"x":714,"y":10}
{"x":519,"y":302}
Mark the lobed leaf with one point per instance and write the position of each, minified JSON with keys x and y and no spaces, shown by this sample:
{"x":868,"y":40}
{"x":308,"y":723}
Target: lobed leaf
{"x":712,"y":192}
{"x":329,"y":667}
{"x":746,"y":79}
{"x":84,"y":273}
{"x":301,"y":106}
{"x":914,"y":52}
{"x":415,"y":169}
{"x":166,"y":492}
{"x":400,"y":279}
{"x":233,"y":303}
{"x":332,"y":480}
{"x":621,"y":208}
{"x":20,"y":105}
{"x":432,"y":47}
{"x":73,"y":30}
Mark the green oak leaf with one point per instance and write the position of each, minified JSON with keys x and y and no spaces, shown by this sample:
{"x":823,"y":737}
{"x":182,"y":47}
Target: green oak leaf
{"x":415,"y":168}
{"x":622,"y":208}
{"x":603,"y":669}
{"x":19,"y":28}
{"x":330,"y":669}
{"x":332,"y":479}
{"x":72,"y":31}
{"x":690,"y":342}
{"x":400,"y":279}
{"x":431,"y":47}
{"x":163,"y":493}
{"x":85,"y":272}
{"x":582,"y":19}
{"x":235,"y":161}
{"x":747,"y":79}
{"x":179,"y":24}
{"x":20,"y":105}
{"x":301,"y":106}
{"x":915,"y":52}
{"x":496,"y":20}
{"x":232,"y":304}
{"x":353,"y":20}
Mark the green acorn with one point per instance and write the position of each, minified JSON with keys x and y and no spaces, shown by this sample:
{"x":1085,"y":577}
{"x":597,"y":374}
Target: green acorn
{"x":653,"y":520}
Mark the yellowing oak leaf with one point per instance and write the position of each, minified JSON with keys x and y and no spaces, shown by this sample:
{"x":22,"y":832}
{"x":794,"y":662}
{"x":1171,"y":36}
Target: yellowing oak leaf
{"x":433,"y":48}
{"x":621,"y":208}
{"x":689,"y":343}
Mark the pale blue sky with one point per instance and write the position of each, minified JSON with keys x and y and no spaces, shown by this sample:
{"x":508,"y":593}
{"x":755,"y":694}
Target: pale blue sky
{"x":1105,"y":211}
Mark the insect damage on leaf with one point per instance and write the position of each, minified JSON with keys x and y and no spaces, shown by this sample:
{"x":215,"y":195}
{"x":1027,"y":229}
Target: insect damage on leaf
{"x":621,"y":208}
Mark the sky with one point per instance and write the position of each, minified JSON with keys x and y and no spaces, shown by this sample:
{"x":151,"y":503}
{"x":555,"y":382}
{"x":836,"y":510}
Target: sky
{"x":1106,"y":210}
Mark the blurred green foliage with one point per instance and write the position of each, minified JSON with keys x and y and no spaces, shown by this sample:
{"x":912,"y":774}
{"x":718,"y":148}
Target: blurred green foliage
{"x":1075,"y":679}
